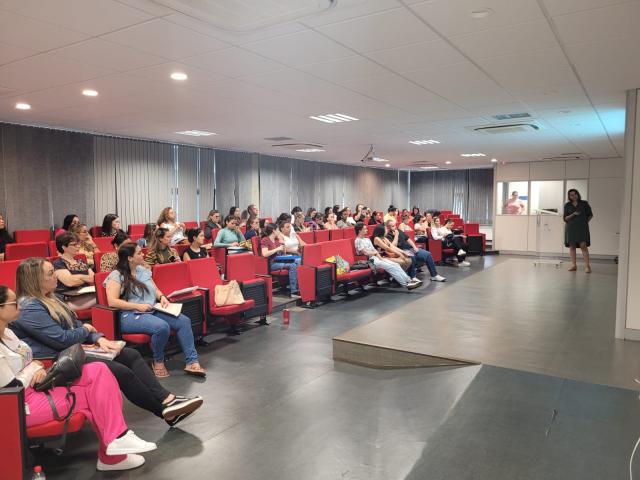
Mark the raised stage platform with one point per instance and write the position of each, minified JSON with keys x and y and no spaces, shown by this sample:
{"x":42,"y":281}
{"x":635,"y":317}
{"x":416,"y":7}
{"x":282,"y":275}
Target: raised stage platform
{"x":512,"y":315}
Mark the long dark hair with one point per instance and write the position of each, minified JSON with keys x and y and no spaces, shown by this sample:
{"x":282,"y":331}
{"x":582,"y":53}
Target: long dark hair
{"x":4,"y":290}
{"x":576,"y":192}
{"x":68,"y":220}
{"x":119,"y":238}
{"x":268,"y":229}
{"x":106,"y":223}
{"x":130,"y":284}
{"x":5,"y":236}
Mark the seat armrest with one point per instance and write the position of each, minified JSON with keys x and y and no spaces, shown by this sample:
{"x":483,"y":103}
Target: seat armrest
{"x":106,"y":321}
{"x":13,"y":454}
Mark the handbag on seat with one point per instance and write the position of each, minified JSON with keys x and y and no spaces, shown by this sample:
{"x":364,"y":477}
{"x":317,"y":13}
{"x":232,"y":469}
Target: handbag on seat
{"x":229,"y":294}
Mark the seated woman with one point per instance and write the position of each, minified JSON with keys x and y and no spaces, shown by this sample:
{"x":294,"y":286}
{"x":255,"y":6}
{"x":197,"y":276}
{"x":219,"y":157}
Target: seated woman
{"x":317,"y":223}
{"x":97,"y":395}
{"x":330,"y":222}
{"x":253,"y":229}
{"x":271,"y":248}
{"x":110,"y":225}
{"x":73,"y":274}
{"x":392,"y":214}
{"x":404,"y":225}
{"x":311,"y":214}
{"x":230,"y":236}
{"x":388,"y":251}
{"x":244,"y":217}
{"x":88,"y":247}
{"x":213,"y":223}
{"x":161,"y":251}
{"x":167,"y":220}
{"x":359,"y":214}
{"x":48,"y":327}
{"x":376,"y":218}
{"x":298,"y":223}
{"x":235,"y":212}
{"x":5,"y":236}
{"x":131,"y":289}
{"x":450,"y":240}
{"x":293,"y":244}
{"x":420,"y":228}
{"x":346,"y":220}
{"x":415,"y":214}
{"x":69,"y":221}
{"x":365,"y":247}
{"x":196,"y":249}
{"x":109,"y":260}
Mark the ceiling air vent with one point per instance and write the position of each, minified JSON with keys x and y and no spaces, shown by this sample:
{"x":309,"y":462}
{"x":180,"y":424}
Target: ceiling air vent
{"x":300,"y":147}
{"x":278,"y":139}
{"x":511,"y":116}
{"x":568,"y":156}
{"x":424,"y":166}
{"x":527,"y":127}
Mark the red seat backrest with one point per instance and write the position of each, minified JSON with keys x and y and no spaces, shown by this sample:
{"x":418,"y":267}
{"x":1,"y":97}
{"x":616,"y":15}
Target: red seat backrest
{"x":243,"y":230}
{"x":104,"y":244}
{"x":96,"y":231}
{"x":472,"y":228}
{"x":411,"y":234}
{"x":306,"y":237}
{"x":170,"y":277}
{"x":337,"y":234}
{"x":136,"y":236}
{"x":349,"y":232}
{"x":241,"y":267}
{"x":312,"y":255}
{"x":181,"y":248}
{"x":189,"y":225}
{"x":31,"y":236}
{"x":97,"y":258}
{"x":52,"y":248}
{"x":321,"y":235}
{"x":203,"y":272}
{"x":267,"y":219}
{"x":20,"y":251}
{"x":255,"y":245}
{"x":101,"y":291}
{"x":338,"y":247}
{"x":203,"y":224}
{"x":8,"y":271}
{"x":214,"y":234}
{"x":136,"y":229}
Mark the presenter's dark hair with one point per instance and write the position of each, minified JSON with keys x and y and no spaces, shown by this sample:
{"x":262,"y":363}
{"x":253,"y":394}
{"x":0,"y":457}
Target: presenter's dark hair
{"x":574,"y":191}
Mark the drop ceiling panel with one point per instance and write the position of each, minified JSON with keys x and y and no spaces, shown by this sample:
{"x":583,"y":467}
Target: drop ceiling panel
{"x":108,"y":54}
{"x":300,"y":48}
{"x":463,"y":84}
{"x":514,"y":39}
{"x":599,"y":25}
{"x":454,"y":17}
{"x":347,"y":9}
{"x":233,"y":62}
{"x":9,"y":53}
{"x":165,"y":39}
{"x":521,"y":73}
{"x":379,"y":30}
{"x":561,"y":7}
{"x":345,"y":69}
{"x":24,"y":32}
{"x":198,"y":79}
{"x":93,"y":17}
{"x":419,"y":55}
{"x":46,"y":70}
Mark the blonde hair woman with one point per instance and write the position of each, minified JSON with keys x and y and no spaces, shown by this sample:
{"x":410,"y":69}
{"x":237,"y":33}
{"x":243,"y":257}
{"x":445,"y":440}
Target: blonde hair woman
{"x":167,"y":220}
{"x":87,"y":246}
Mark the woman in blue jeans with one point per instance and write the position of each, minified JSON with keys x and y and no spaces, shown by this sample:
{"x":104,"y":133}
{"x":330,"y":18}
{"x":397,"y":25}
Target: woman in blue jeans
{"x":271,"y":248}
{"x":131,"y":289}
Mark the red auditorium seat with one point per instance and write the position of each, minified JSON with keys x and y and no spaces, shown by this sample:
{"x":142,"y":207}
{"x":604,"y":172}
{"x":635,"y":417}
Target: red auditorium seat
{"x":337,"y":234}
{"x":20,"y":251}
{"x":14,"y":459}
{"x":204,"y":274}
{"x":136,"y":229}
{"x":306,"y":237}
{"x":261,"y":263}
{"x":321,"y":235}
{"x":242,"y":268}
{"x":189,"y":225}
{"x":31,"y":236}
{"x":349,"y":232}
{"x":96,"y":231}
{"x":473,"y":230}
{"x":8,"y":271}
{"x":104,"y":244}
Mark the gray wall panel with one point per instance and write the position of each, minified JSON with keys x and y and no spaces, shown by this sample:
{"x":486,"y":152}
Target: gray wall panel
{"x":275,"y":185}
{"x":188,"y":183}
{"x":207,"y":181}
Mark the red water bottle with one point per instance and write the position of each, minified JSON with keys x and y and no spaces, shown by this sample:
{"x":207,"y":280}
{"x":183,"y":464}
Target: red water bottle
{"x":285,"y":316}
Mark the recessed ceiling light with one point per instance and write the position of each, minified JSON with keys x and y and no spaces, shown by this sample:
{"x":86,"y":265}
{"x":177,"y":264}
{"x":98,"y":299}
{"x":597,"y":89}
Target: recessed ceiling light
{"x":23,"y":106}
{"x":472,"y":155}
{"x":448,"y":162}
{"x":179,"y":76}
{"x":89,"y":93}
{"x":310,"y":150}
{"x":494,"y":160}
{"x":334,"y":118}
{"x":424,"y":142}
{"x":481,"y":13}
{"x":429,"y":167}
{"x":387,"y":165}
{"x":196,"y":133}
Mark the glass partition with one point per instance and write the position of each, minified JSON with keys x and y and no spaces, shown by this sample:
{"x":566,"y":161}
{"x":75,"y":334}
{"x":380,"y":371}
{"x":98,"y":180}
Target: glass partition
{"x":547,"y":196}
{"x":512,"y":198}
{"x":581,"y":185}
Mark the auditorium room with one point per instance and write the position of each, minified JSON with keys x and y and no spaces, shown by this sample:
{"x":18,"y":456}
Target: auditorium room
{"x":320,"y":239}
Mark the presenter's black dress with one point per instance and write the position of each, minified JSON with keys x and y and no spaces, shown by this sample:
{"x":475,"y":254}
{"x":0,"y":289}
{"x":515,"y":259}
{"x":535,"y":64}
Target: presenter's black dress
{"x":576,"y":230}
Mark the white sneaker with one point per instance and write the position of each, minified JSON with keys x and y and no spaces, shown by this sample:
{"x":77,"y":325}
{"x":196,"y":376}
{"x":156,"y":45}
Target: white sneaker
{"x":411,"y":285}
{"x":464,"y":264}
{"x":438,"y":278}
{"x":415,"y":279}
{"x":132,"y":461}
{"x":461,"y":252}
{"x":130,"y":443}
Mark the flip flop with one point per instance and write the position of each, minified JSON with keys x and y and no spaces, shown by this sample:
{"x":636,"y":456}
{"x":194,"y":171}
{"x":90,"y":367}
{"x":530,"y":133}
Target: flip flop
{"x":195,"y":371}
{"x":160,"y":371}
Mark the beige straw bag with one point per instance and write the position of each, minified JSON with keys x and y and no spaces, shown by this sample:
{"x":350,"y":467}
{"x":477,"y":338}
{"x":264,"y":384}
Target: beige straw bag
{"x":228,"y":294}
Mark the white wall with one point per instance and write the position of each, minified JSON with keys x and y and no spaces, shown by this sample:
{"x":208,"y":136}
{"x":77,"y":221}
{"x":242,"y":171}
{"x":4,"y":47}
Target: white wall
{"x":605,"y":186}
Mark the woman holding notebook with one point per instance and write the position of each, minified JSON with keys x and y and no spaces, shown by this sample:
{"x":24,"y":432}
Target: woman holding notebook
{"x":131,"y":289}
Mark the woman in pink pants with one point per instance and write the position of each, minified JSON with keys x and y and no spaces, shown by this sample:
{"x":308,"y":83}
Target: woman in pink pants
{"x":97,"y":395}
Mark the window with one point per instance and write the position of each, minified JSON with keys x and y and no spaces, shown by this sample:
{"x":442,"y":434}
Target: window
{"x":547,"y":197}
{"x":512,"y":198}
